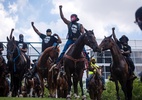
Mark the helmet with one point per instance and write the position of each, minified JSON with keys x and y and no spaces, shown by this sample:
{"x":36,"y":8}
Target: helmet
{"x":138,"y":17}
{"x":93,"y":60}
{"x":21,"y":38}
{"x":48,"y":32}
{"x":74,"y":18}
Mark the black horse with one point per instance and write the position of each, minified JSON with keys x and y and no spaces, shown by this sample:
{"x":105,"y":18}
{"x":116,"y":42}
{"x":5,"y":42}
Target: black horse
{"x":17,"y":63}
{"x":74,"y":61}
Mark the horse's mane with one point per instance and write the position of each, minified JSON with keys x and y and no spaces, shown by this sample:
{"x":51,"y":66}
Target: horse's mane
{"x":45,"y":54}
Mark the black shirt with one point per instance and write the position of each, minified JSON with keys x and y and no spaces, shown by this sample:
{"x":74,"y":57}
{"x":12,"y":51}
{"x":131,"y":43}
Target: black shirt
{"x":47,"y":41}
{"x":21,"y":45}
{"x":127,"y":48}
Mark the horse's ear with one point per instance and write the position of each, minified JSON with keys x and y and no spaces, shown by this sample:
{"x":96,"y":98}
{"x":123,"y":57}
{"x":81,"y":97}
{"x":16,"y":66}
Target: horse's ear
{"x":104,"y":36}
{"x":7,"y":38}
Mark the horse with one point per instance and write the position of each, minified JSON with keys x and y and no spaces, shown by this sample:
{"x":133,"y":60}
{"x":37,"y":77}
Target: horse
{"x":62,"y":85}
{"x":74,"y":61}
{"x":4,"y":85}
{"x":119,"y":67}
{"x":17,"y":64}
{"x":45,"y":62}
{"x":95,"y":85}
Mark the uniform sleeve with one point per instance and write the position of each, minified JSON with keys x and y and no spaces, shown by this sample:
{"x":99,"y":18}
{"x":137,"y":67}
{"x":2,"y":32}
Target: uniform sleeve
{"x":25,"y":46}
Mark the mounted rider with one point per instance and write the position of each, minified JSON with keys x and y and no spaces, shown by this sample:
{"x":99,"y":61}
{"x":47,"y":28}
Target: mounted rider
{"x":96,"y":68}
{"x":48,"y":40}
{"x":74,"y":31}
{"x":126,"y":52}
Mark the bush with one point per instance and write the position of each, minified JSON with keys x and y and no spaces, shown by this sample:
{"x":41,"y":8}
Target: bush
{"x":110,"y":92}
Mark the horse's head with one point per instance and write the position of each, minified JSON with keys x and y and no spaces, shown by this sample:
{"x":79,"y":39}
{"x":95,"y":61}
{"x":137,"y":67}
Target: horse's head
{"x":106,"y":43}
{"x":11,"y":46}
{"x":54,"y":53}
{"x":90,"y":40}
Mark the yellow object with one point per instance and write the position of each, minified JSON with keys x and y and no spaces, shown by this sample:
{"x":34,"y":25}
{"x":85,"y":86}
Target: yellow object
{"x":95,"y":66}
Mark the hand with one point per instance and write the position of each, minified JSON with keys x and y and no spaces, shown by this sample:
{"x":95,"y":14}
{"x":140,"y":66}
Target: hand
{"x":55,"y":34}
{"x":32,"y":23}
{"x":60,"y":6}
{"x":113,"y":28}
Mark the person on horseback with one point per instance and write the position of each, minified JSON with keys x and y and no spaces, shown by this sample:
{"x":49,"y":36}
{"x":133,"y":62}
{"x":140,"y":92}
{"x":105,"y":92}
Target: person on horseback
{"x":48,"y":39}
{"x":126,"y":52}
{"x":95,"y":67}
{"x":138,"y":17}
{"x":23,"y":47}
{"x":74,"y":31}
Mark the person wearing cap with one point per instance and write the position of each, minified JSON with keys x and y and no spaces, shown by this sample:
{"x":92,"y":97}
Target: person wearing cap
{"x":21,"y":44}
{"x":48,"y":39}
{"x":126,"y":52}
{"x":138,"y":17}
{"x":74,"y":31}
{"x":94,"y":68}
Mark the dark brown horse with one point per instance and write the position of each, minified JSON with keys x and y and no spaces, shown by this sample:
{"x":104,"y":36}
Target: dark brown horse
{"x":96,"y":86}
{"x":74,"y":61}
{"x":45,"y":62}
{"x":17,"y":64}
{"x":62,"y":85}
{"x":119,"y":68}
{"x":4,"y":85}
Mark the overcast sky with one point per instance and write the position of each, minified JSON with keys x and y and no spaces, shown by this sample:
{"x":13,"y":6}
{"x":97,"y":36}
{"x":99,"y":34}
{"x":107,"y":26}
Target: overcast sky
{"x":99,"y":15}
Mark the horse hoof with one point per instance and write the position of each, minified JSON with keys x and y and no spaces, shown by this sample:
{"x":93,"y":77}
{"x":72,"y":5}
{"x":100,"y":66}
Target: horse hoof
{"x":68,"y":97}
{"x":84,"y":97}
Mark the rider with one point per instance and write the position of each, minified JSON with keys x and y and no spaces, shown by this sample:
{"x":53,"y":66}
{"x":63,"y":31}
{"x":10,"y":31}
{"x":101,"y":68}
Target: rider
{"x":95,"y":68}
{"x":48,"y":40}
{"x":23,"y":47}
{"x":125,"y":50}
{"x":74,"y":31}
{"x":138,"y":17}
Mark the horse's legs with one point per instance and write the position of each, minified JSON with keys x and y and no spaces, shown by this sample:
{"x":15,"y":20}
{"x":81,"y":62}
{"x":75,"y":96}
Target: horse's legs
{"x":117,"y":90}
{"x":129,"y":89}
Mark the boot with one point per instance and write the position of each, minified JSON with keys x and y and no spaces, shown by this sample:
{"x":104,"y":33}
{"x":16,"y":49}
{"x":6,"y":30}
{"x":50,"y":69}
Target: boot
{"x":104,"y":88}
{"x":132,"y":77}
{"x":111,"y":78}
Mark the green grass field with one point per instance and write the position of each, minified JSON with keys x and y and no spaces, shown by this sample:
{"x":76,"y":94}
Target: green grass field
{"x":16,"y":98}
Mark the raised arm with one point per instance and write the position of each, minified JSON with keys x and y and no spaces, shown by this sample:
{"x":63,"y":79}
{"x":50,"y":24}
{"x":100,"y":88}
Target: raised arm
{"x":62,"y":16}
{"x":35,"y":29}
{"x":113,"y":34}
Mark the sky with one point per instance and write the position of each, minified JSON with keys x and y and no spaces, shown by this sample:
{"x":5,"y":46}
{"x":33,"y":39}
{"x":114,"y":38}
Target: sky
{"x":97,"y":15}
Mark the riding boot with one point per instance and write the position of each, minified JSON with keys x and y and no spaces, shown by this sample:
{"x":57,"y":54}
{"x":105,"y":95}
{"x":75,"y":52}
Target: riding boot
{"x":132,"y":76}
{"x":111,"y":78}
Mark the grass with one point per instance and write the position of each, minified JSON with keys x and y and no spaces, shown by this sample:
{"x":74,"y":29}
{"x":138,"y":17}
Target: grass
{"x":12,"y":98}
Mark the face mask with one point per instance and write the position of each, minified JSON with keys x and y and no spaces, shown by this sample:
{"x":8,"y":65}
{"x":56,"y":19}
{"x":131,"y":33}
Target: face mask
{"x":73,"y":18}
{"x":21,"y":39}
